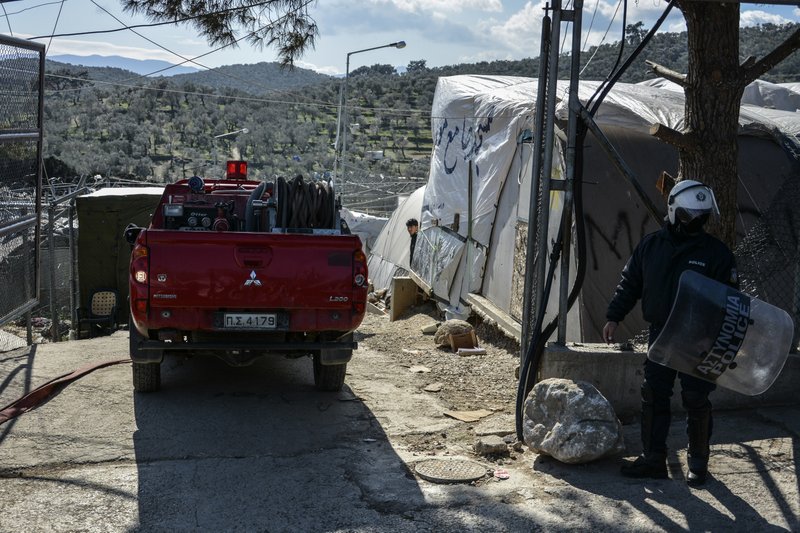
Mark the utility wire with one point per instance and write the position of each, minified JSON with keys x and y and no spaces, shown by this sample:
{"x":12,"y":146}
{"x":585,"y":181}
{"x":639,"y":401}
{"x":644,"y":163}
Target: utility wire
{"x":55,"y":25}
{"x":28,"y":8}
{"x":193,"y":60}
{"x":591,"y":24}
{"x":597,"y":48}
{"x":154,"y":24}
{"x":392,"y":111}
{"x":8,"y":20}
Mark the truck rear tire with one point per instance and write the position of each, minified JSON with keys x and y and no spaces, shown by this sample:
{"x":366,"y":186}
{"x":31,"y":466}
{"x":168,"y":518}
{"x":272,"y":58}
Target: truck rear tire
{"x":328,"y":378}
{"x":146,"y":377}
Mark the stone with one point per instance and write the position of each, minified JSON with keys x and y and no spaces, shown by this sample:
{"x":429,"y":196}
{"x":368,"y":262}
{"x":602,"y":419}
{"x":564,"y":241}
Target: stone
{"x":571,"y":421}
{"x":451,"y":327}
{"x":491,"y":445}
{"x":430,"y":329}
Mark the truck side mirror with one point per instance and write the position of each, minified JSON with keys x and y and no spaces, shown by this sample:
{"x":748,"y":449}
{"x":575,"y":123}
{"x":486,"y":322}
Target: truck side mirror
{"x":131,"y":233}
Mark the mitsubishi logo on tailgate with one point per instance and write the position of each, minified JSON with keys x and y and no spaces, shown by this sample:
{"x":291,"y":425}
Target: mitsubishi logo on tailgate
{"x":253,"y":280}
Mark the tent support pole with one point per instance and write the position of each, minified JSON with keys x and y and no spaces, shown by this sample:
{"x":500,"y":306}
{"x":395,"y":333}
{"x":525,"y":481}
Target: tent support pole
{"x":571,"y":156}
{"x":533,"y":207}
{"x":620,"y":163}
{"x":542,"y":172}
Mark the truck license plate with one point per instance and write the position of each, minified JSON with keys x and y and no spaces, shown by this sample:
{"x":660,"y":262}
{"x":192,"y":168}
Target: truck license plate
{"x":251,"y":320}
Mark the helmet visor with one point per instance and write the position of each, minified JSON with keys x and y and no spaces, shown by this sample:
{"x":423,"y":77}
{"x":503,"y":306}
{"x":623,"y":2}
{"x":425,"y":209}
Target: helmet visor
{"x":687,"y":216}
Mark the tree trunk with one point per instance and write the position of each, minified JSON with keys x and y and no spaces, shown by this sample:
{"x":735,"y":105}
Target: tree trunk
{"x":714,"y":87}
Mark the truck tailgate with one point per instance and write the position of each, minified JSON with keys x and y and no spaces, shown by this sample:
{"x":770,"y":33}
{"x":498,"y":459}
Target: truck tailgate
{"x":250,"y":271}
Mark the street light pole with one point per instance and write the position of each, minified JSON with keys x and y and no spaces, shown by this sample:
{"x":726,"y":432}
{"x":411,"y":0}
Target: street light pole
{"x":225,"y":136}
{"x":341,"y":121}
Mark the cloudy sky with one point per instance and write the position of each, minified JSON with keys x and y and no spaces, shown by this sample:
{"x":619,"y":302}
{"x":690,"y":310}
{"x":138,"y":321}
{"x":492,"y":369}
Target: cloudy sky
{"x":441,"y":32}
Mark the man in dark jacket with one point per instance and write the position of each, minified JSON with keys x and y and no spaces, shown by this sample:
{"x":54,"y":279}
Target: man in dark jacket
{"x":413,"y":227}
{"x":652,"y":275}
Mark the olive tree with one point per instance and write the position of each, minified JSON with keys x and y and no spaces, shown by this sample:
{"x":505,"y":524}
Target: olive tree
{"x":713,"y":85}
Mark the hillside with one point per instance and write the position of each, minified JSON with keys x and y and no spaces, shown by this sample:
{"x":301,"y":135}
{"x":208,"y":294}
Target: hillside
{"x":259,"y":78}
{"x":162,"y":128}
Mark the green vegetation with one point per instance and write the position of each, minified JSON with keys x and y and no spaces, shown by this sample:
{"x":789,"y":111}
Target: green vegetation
{"x":111,"y":122}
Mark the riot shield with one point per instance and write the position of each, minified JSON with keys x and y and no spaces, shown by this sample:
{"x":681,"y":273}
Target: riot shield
{"x":721,"y":335}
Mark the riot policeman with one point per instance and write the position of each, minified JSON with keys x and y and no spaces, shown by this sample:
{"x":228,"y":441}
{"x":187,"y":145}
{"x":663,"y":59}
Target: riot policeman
{"x":651,"y":274}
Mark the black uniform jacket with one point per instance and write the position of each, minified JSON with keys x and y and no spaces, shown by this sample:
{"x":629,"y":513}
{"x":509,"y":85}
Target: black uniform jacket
{"x":653,"y":271}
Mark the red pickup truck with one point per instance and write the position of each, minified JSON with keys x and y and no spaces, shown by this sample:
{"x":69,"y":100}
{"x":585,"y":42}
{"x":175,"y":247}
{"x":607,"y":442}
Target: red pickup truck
{"x":237,"y":269}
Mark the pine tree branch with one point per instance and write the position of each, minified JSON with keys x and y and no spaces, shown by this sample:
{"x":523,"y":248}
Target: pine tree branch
{"x":773,"y":58}
{"x":668,"y":74}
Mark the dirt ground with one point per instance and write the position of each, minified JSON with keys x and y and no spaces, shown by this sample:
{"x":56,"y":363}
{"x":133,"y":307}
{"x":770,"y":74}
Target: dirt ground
{"x":460,"y":383}
{"x":362,"y":456}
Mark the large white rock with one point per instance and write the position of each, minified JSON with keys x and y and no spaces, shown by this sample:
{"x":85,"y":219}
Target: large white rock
{"x":571,"y":421}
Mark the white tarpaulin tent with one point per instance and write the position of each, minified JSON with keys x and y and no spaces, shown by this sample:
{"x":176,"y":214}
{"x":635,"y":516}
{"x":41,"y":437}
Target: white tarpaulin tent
{"x":473,"y":238}
{"x":390,"y":253}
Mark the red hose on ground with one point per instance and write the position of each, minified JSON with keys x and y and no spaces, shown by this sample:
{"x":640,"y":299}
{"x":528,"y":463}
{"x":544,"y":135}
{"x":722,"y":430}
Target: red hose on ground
{"x":41,"y":394}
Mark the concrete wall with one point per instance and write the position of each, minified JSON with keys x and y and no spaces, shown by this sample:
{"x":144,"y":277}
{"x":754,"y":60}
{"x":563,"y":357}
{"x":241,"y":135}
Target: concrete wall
{"x":618,"y":376}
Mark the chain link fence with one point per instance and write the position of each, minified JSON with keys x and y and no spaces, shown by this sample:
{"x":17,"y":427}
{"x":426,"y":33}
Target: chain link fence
{"x":768,"y":258}
{"x":21,"y":105}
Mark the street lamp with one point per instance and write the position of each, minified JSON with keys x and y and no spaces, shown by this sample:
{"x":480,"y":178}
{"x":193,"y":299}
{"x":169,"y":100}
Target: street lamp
{"x":226,"y":136}
{"x":342,"y":118}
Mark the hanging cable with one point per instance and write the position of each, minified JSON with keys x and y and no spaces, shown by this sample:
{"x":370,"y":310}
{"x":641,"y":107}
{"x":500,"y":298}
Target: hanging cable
{"x":603,"y":89}
{"x":591,"y":24}
{"x":55,"y":25}
{"x":619,"y":53}
{"x":154,"y":24}
{"x":597,"y":48}
{"x":8,"y":20}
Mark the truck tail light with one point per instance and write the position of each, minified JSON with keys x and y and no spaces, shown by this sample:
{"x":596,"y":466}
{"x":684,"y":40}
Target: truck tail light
{"x":139,"y":263}
{"x":359,"y":269}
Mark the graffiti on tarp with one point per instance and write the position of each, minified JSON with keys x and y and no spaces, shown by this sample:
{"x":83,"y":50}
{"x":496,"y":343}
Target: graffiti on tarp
{"x":470,"y":137}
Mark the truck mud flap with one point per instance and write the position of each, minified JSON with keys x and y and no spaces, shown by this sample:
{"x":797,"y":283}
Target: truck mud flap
{"x":141,"y":350}
{"x":338,"y":356}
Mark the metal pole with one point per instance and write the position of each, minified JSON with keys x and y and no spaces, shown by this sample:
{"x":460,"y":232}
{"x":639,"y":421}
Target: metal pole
{"x":73,"y":268}
{"x":51,"y":245}
{"x":469,"y":226}
{"x":343,"y":107}
{"x":344,"y":125}
{"x":547,"y":166}
{"x":336,"y":154}
{"x":571,"y":154}
{"x":533,"y":207}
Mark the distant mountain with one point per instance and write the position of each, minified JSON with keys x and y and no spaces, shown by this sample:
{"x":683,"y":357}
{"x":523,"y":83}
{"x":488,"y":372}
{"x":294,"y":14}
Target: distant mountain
{"x":257,"y":78}
{"x":137,"y":66}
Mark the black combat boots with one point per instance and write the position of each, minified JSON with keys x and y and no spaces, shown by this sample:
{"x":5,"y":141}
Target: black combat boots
{"x":698,"y":429}
{"x":655,"y":427}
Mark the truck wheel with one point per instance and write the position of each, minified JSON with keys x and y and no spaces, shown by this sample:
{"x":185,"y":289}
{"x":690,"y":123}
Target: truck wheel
{"x":146,"y":377}
{"x":329,"y":378}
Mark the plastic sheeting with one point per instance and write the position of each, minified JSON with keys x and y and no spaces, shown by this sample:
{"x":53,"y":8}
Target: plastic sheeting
{"x":481,"y":122}
{"x":389,"y":256}
{"x":367,"y":227}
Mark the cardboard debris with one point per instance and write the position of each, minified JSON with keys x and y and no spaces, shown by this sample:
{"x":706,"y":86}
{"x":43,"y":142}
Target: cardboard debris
{"x":433,"y":387}
{"x":411,"y":352}
{"x":464,"y":340}
{"x":464,"y":352}
{"x":419,"y":369}
{"x":468,"y":416}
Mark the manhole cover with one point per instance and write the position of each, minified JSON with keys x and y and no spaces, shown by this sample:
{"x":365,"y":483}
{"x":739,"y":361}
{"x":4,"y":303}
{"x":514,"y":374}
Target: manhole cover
{"x":449,"y":470}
